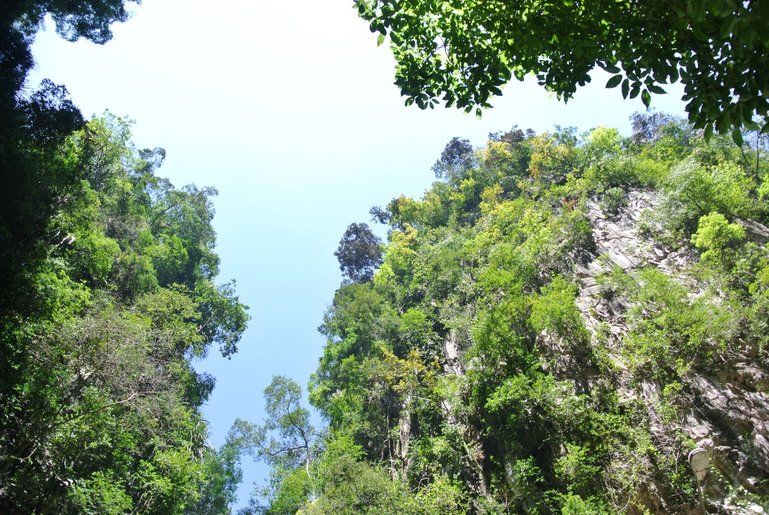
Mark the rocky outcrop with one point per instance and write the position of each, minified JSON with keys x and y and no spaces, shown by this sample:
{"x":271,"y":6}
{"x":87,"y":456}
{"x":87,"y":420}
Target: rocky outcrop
{"x":620,"y":244}
{"x":727,"y":413}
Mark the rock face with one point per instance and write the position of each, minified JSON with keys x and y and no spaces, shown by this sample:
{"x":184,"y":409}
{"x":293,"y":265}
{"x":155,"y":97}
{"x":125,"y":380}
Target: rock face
{"x":727,"y":413}
{"x":620,"y":244}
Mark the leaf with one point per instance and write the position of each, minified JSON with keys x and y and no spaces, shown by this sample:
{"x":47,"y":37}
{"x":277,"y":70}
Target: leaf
{"x":727,"y":26}
{"x":611,"y":68}
{"x":625,"y":88}
{"x":737,"y":137}
{"x":751,"y":125}
{"x":646,"y":98}
{"x":655,"y":89}
{"x":380,"y":40}
{"x":635,"y":90}
{"x":614,"y":81}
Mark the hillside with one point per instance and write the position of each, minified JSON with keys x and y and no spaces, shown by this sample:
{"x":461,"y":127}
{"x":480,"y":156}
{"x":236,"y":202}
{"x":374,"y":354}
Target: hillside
{"x":553,"y":327}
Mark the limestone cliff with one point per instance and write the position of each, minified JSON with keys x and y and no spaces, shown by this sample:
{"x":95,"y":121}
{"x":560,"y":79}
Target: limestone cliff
{"x":723,"y":409}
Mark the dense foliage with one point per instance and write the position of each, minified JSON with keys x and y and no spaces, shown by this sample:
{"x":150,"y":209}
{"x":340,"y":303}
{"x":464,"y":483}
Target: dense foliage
{"x":463,"y":378}
{"x":459,"y":373}
{"x":461,"y":53}
{"x":99,"y":402}
{"x":107,"y":296}
{"x":33,"y":125}
{"x":359,"y":253}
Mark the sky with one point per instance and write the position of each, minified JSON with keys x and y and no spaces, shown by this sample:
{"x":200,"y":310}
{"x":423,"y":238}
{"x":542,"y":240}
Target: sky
{"x":289,"y":110}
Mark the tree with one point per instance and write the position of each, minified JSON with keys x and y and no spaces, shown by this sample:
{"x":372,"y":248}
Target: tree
{"x":461,"y":53}
{"x":114,"y":298}
{"x":455,"y":158}
{"x":222,"y":477}
{"x":32,"y":186}
{"x":359,"y":253}
{"x":286,"y":441}
{"x":74,"y":19}
{"x":21,"y":19}
{"x":470,"y":376}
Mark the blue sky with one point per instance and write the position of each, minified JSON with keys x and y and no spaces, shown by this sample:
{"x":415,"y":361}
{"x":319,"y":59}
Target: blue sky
{"x":289,"y":110}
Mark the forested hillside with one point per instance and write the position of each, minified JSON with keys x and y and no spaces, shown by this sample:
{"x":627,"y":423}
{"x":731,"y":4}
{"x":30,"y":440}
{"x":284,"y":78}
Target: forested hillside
{"x":552,"y":328}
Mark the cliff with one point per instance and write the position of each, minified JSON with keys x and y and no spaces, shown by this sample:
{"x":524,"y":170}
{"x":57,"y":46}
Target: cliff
{"x":561,"y":324}
{"x":724,"y":408}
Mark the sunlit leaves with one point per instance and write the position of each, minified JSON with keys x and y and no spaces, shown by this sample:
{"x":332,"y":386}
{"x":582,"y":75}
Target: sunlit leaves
{"x":103,"y":394}
{"x":469,"y":356}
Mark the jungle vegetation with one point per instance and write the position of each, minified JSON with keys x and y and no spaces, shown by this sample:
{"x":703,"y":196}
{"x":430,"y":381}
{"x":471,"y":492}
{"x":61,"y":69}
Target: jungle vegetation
{"x":462,"y":53}
{"x":436,"y":390}
{"x":99,"y":401}
{"x":108,"y":294}
{"x":460,"y":376}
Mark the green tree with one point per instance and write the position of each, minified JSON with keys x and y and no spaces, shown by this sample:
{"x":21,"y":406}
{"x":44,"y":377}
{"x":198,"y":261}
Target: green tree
{"x":359,"y":253}
{"x":482,"y":370}
{"x":34,"y":177}
{"x":287,"y":442}
{"x":455,"y":158}
{"x":222,"y":476}
{"x":99,"y":400}
{"x":461,"y":53}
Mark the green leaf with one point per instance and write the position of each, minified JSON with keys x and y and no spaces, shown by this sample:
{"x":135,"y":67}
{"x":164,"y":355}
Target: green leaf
{"x":625,"y":88}
{"x":727,"y":25}
{"x":646,"y":98}
{"x":655,"y":89}
{"x":737,"y":136}
{"x":614,"y":81}
{"x":380,"y":40}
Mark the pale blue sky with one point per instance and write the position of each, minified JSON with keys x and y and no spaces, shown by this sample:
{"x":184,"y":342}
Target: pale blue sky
{"x":288,"y":109}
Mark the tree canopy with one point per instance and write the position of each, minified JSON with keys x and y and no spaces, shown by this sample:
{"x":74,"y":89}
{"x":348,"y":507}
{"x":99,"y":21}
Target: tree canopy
{"x":112,"y":298}
{"x":359,"y":252}
{"x":287,"y":442}
{"x":107,"y":297}
{"x":461,"y":53}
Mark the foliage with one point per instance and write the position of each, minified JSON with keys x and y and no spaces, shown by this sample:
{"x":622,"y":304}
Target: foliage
{"x":99,"y":397}
{"x":39,"y":173}
{"x":715,"y":235}
{"x":287,"y":442}
{"x":463,"y":53}
{"x":455,"y":158}
{"x":463,"y":377}
{"x":359,"y":253}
